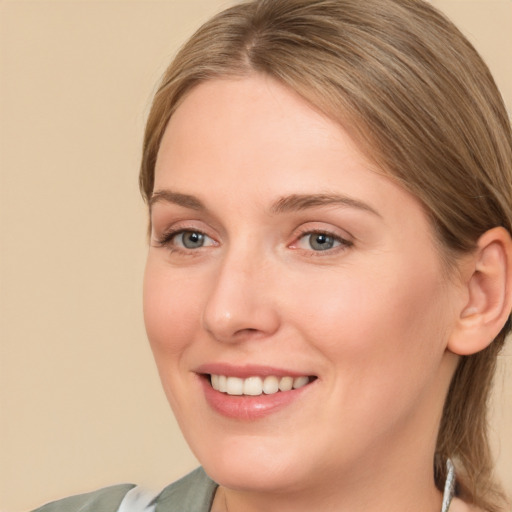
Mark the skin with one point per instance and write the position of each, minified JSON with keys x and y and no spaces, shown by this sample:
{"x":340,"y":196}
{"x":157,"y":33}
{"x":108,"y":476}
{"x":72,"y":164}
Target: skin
{"x":370,"y":318}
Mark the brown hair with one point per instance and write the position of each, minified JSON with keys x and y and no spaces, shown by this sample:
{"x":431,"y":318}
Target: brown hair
{"x":421,"y":103}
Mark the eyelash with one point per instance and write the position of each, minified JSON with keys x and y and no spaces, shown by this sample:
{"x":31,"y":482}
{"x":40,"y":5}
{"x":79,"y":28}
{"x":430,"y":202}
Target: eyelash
{"x":167,"y":237}
{"x":343,"y":242}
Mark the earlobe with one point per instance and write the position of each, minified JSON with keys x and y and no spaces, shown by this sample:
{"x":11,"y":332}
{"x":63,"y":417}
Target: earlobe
{"x":489,"y":292}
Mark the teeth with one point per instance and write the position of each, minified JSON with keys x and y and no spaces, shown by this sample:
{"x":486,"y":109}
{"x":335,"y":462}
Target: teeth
{"x":235,"y":386}
{"x":300,"y":382}
{"x":255,"y":386}
{"x":286,"y":384}
{"x":270,"y":385}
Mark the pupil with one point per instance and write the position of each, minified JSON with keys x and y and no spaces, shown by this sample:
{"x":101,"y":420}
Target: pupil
{"x":192,"y":240}
{"x":322,"y":242}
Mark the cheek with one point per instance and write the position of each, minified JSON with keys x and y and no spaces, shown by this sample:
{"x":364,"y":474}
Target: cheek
{"x":384,"y":344}
{"x":376,"y":316}
{"x":171,"y":309}
{"x":172,"y":317}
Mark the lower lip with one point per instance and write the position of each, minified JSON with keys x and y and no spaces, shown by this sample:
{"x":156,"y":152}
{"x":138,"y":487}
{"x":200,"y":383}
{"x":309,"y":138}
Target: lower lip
{"x":243,"y":407}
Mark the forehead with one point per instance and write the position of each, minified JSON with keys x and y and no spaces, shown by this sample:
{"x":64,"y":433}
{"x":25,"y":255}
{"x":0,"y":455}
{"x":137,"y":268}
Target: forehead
{"x":256,"y":129}
{"x":250,"y":124}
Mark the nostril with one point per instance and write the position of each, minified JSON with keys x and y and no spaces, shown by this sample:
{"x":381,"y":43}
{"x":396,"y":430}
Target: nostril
{"x":248,"y":332}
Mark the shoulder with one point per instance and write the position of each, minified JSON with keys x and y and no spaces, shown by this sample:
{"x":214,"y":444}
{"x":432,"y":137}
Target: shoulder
{"x":107,"y":500}
{"x":192,"y":493}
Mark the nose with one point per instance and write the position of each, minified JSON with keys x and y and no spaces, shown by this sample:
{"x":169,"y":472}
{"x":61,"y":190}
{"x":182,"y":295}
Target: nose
{"x":241,"y":304}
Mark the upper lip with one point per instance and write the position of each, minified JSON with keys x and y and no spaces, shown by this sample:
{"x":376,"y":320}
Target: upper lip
{"x":246,"y":371}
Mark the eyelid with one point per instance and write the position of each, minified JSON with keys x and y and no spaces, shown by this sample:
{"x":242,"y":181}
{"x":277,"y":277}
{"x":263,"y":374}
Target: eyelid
{"x":344,"y":241}
{"x":167,"y":236}
{"x":308,"y":238}
{"x":181,"y":245}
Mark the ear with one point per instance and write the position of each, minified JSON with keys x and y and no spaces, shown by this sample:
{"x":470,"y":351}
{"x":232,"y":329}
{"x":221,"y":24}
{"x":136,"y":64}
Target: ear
{"x":489,"y":294}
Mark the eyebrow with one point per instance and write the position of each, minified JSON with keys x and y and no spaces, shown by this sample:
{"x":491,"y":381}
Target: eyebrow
{"x":168,"y":196}
{"x":298,"y":202}
{"x":290,"y":203}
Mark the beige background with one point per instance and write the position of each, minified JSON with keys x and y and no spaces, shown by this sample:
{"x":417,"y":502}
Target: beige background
{"x":81,"y":406}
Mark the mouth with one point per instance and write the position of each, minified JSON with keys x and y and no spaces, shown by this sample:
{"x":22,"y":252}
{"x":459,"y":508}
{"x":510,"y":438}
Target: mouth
{"x":252,"y":392}
{"x":256,"y":385}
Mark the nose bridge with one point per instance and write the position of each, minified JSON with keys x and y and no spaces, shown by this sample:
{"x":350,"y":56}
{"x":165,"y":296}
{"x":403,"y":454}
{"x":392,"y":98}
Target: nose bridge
{"x":239,"y":302}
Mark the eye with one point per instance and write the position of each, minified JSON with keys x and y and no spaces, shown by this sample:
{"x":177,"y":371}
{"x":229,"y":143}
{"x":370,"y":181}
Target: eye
{"x":185,"y":240}
{"x":191,"y":239}
{"x":319,"y":241}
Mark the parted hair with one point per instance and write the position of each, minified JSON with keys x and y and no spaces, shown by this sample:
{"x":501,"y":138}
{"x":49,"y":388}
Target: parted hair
{"x":421,"y":103}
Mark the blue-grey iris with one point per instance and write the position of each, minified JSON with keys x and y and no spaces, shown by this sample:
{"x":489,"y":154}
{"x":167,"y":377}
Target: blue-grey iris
{"x":192,"y":239}
{"x":321,"y":241}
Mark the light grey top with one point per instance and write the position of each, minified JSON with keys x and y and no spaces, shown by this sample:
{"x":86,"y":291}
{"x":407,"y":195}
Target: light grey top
{"x":193,"y":493}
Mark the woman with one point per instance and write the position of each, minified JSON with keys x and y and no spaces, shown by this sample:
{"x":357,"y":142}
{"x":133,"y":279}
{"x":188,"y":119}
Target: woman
{"x":329,"y":277}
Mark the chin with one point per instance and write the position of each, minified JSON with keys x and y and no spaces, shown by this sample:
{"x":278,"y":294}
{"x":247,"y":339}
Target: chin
{"x":244,"y":476}
{"x":251,"y":464}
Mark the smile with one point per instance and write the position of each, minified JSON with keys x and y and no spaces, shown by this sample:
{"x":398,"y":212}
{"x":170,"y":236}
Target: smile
{"x":252,"y":392}
{"x":256,"y":386}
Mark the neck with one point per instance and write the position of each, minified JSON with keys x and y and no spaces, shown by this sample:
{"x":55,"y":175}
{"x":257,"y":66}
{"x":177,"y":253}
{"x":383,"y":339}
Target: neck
{"x":401,"y":490}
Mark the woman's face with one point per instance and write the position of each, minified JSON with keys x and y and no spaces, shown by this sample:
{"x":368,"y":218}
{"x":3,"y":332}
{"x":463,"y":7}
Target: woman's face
{"x":280,"y":257}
